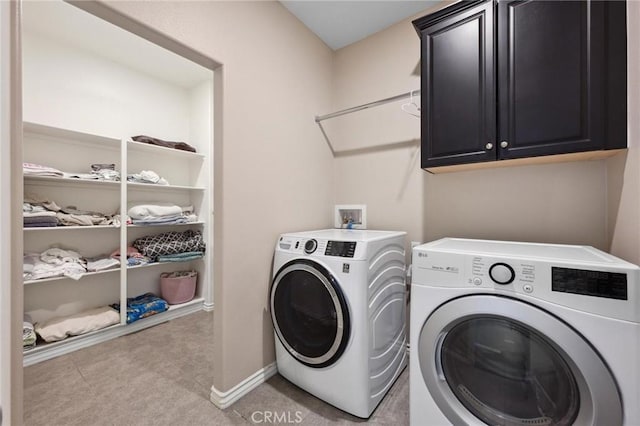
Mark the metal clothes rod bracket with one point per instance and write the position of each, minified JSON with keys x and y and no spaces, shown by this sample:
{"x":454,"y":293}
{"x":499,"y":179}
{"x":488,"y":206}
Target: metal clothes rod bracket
{"x":320,"y":118}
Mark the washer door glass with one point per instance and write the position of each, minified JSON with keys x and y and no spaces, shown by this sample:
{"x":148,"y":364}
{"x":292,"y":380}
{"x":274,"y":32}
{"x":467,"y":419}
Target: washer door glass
{"x":309,"y":313}
{"x":507,"y":374}
{"x":508,"y":362}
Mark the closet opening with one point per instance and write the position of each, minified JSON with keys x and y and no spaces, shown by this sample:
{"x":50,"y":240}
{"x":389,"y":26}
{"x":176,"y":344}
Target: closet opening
{"x":118,"y":153}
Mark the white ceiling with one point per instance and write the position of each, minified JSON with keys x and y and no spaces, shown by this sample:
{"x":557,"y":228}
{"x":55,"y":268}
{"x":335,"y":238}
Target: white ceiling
{"x":340,"y":23}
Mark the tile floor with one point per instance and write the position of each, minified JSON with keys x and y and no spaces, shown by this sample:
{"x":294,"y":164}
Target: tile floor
{"x":163,"y":376}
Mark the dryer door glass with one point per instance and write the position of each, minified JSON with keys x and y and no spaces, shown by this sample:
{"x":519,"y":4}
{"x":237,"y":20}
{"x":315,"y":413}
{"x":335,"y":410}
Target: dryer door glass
{"x":505,"y":373}
{"x":309,"y":313}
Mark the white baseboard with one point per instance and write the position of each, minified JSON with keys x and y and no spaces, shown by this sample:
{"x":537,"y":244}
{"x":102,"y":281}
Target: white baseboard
{"x":223,"y":400}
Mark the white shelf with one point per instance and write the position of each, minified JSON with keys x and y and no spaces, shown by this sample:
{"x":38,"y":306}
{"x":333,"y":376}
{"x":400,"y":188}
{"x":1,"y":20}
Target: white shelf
{"x":57,"y":181}
{"x":71,"y":136}
{"x":155,"y":187}
{"x":166,"y":224}
{"x":72,"y":151}
{"x":106,"y":271}
{"x":43,"y":347}
{"x":70,"y":228}
{"x":156,"y":149}
{"x":60,"y":278}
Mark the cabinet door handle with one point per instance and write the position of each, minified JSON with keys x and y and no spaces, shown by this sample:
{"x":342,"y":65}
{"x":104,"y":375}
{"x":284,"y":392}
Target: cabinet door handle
{"x":489,"y":146}
{"x":504,"y":144}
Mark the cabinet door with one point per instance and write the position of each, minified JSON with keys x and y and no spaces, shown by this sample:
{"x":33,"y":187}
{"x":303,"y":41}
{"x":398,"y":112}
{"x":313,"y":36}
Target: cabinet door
{"x":458,"y":96}
{"x":551,"y":70}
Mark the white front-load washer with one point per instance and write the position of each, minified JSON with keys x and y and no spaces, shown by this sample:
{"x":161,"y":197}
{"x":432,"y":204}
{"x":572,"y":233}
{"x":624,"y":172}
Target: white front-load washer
{"x":337,"y":302}
{"x":506,"y":333}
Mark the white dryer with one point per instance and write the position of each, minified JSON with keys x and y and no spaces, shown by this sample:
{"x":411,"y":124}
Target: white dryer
{"x":506,"y":333}
{"x":337,"y":302}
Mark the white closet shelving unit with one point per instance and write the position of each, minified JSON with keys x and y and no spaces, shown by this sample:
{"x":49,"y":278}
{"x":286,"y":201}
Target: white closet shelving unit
{"x":94,"y":123}
{"x":59,"y":296}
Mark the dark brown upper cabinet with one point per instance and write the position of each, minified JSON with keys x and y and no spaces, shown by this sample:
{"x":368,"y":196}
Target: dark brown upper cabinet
{"x":518,"y":79}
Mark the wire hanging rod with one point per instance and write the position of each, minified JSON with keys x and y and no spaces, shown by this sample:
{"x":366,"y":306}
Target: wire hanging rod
{"x":320,"y":118}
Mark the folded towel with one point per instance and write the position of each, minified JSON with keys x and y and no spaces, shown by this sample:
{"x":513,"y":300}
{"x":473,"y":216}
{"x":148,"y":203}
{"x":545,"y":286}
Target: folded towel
{"x":29,"y":221}
{"x":31,"y":169}
{"x":147,"y":176}
{"x":165,"y":220}
{"x":149,"y":211}
{"x":73,"y":325}
{"x":181,"y":257}
{"x":47,"y":224}
{"x":28,"y":335}
{"x":100,"y":263}
{"x":167,"y":144}
{"x":38,"y":213}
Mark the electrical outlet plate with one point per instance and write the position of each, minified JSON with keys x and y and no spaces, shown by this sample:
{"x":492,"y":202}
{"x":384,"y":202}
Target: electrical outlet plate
{"x":350,"y":216}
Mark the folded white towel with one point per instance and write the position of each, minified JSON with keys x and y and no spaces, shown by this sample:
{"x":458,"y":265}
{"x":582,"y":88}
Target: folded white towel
{"x":31,"y":169}
{"x":101,"y":263}
{"x":94,"y":319}
{"x":148,"y":211}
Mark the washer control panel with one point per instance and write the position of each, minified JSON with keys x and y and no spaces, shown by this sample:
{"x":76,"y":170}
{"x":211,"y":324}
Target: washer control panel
{"x":610,"y":285}
{"x":502,"y":273}
{"x":579,"y":277}
{"x":519,"y":275}
{"x":479,"y":271}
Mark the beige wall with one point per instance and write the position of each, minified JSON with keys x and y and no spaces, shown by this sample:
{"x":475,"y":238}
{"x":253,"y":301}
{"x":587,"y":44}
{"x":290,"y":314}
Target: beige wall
{"x":624,"y":171}
{"x":275,"y":174}
{"x":377,"y":150}
{"x":377,"y":166}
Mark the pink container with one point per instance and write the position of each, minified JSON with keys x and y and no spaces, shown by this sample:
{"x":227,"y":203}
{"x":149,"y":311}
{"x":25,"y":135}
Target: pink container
{"x":178,"y":287}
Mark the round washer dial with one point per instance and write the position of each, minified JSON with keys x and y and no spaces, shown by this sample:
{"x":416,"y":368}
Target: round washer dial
{"x":310,"y":246}
{"x":501,"y":273}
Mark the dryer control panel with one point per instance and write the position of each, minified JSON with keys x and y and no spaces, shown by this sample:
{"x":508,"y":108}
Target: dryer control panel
{"x":340,"y":248}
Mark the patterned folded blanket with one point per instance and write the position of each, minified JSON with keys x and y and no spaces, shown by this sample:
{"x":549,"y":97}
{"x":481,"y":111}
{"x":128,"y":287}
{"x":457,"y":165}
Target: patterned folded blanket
{"x":142,"y":306}
{"x":169,"y":243}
